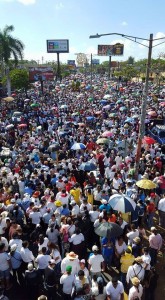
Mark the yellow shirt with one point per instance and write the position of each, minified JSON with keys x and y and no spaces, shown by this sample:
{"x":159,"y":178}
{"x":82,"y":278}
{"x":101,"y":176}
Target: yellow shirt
{"x":76,"y":195}
{"x":126,"y":260}
{"x":90,"y":199}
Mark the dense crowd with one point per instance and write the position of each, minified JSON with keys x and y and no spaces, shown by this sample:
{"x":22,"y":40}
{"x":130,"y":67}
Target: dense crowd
{"x":67,"y":178}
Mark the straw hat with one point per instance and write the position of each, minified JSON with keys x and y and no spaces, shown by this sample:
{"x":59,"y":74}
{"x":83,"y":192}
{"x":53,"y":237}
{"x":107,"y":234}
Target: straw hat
{"x":135,"y":281}
{"x":72,"y":255}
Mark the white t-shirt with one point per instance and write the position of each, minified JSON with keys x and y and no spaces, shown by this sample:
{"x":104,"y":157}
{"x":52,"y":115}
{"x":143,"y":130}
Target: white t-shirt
{"x":18,"y":242}
{"x":146,"y":260}
{"x":115,"y":293}
{"x":73,"y":263}
{"x":76,"y":239}
{"x":56,"y":254}
{"x":131,"y":235}
{"x":44,"y":244}
{"x":43,"y":261}
{"x":134,"y":292}
{"x":94,"y":215}
{"x":121,"y":248}
{"x":95,"y":262}
{"x":35,"y":216}
{"x":67,"y":282}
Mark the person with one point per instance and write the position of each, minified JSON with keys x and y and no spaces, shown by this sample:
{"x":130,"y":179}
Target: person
{"x":146,"y":258}
{"x":26,"y":255}
{"x":5,"y":266}
{"x":77,"y":240}
{"x":66,"y":281}
{"x":42,"y":260}
{"x":32,"y":281}
{"x":150,"y":209}
{"x":136,"y":291}
{"x":161,"y":210}
{"x":120,"y":247}
{"x":84,"y":268}
{"x":50,"y":280}
{"x":136,"y":270}
{"x":80,"y":279}
{"x":115,"y":290}
{"x":16,"y":262}
{"x":136,"y":247}
{"x":96,"y":262}
{"x":133,"y":232}
{"x":126,"y":260}
{"x":72,"y":260}
{"x":155,"y":244}
{"x":107,"y":250}
{"x":150,"y":284}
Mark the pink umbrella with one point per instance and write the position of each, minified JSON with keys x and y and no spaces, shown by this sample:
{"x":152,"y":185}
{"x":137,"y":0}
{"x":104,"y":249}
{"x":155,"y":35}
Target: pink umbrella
{"x":152,"y":113}
{"x":107,"y":134}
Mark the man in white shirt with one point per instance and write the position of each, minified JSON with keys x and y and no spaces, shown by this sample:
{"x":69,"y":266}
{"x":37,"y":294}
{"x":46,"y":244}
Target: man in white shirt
{"x":43,"y":260}
{"x":67,"y":280}
{"x":146,"y":258}
{"x":136,"y":270}
{"x":132,"y":234}
{"x":136,"y":291}
{"x":70,"y":260}
{"x":161,"y":209}
{"x":115,"y":290}
{"x":96,"y":262}
{"x":75,"y":209}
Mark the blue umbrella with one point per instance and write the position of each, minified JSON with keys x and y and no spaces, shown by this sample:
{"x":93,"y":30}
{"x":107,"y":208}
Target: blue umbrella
{"x":122,"y":203}
{"x":78,"y":146}
{"x":123,"y":108}
{"x":87,"y":166}
{"x":119,"y":101}
{"x":90,"y":118}
{"x":129,"y":120}
{"x":103,"y":102}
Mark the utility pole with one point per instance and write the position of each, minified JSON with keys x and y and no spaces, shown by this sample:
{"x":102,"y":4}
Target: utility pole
{"x":144,"y":105}
{"x":91,"y":69}
{"x":109,"y":67}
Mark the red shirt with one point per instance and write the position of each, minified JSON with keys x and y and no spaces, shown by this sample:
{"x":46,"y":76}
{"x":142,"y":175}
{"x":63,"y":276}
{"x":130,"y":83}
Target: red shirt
{"x":151,"y":207}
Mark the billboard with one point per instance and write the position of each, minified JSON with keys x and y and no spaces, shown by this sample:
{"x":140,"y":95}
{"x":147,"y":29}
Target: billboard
{"x":95,"y":61}
{"x":57,"y":46}
{"x":71,"y":63}
{"x":46,"y":73}
{"x":111,"y":50}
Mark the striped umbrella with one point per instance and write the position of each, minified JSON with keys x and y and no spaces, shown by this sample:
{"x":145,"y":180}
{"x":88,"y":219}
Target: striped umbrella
{"x":122,"y":203}
{"x":78,"y":146}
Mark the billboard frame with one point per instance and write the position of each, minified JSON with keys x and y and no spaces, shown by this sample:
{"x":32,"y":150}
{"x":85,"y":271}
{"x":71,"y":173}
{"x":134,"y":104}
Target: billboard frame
{"x":111,"y":48}
{"x":57,"y":40}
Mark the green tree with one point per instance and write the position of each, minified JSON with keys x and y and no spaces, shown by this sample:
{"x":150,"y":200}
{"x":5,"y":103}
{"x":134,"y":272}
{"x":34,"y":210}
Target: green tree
{"x":10,"y":47}
{"x":131,"y":60}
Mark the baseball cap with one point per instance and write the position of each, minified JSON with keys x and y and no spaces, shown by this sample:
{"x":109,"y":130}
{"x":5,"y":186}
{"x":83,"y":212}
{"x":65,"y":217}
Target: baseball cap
{"x":69,"y":269}
{"x":95,"y":248}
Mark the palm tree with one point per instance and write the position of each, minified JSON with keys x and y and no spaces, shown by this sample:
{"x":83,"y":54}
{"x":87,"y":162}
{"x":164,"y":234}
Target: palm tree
{"x":10,"y":47}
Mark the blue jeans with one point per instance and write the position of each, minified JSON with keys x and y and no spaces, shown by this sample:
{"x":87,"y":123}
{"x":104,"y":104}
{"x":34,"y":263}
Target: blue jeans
{"x":108,"y":259}
{"x":123,"y":278}
{"x":153,"y":254}
{"x":150,"y":219}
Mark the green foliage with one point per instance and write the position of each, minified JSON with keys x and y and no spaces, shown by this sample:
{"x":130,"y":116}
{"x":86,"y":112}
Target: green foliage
{"x":19,"y":79}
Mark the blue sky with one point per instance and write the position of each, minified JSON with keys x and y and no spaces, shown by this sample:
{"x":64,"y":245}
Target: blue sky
{"x":35,"y":21}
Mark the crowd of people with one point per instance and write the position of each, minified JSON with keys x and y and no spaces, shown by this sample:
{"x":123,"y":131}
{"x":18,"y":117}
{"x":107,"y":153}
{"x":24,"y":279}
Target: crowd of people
{"x":61,"y":162}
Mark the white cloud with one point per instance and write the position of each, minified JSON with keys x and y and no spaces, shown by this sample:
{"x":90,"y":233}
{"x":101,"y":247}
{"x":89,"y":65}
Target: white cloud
{"x":124,"y":23}
{"x":59,"y":6}
{"x":24,"y":2}
{"x":27,"y":2}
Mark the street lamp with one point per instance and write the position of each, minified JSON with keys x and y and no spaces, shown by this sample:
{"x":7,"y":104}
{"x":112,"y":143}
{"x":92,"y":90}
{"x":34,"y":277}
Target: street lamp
{"x":145,"y":91}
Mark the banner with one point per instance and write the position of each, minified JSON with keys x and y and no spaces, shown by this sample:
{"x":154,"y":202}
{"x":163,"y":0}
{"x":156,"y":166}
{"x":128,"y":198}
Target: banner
{"x":57,"y":46}
{"x":44,"y":73}
{"x":111,"y":50}
{"x":95,"y":61}
{"x":71,"y":63}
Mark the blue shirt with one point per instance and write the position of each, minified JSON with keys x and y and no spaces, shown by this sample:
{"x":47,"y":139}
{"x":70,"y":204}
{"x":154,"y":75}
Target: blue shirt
{"x":107,"y":250}
{"x":16,"y":260}
{"x":107,"y":207}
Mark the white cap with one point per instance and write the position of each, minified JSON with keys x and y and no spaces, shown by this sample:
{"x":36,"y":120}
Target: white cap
{"x":30,"y":266}
{"x":73,"y":202}
{"x":52,"y":262}
{"x":95,"y":248}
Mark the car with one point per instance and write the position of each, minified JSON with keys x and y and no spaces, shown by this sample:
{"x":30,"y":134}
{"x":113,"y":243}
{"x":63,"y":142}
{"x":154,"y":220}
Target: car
{"x":157,"y":132}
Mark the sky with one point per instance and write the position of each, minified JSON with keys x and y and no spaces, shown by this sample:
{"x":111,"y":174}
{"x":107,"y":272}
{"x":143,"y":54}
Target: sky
{"x":35,"y":21}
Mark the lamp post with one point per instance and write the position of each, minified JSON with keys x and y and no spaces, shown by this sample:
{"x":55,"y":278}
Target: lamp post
{"x":145,"y":90}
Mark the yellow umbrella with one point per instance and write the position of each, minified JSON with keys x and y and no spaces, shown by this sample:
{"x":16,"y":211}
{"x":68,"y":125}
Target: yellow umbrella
{"x":146,"y":184}
{"x":102,"y":141}
{"x":8,"y":99}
